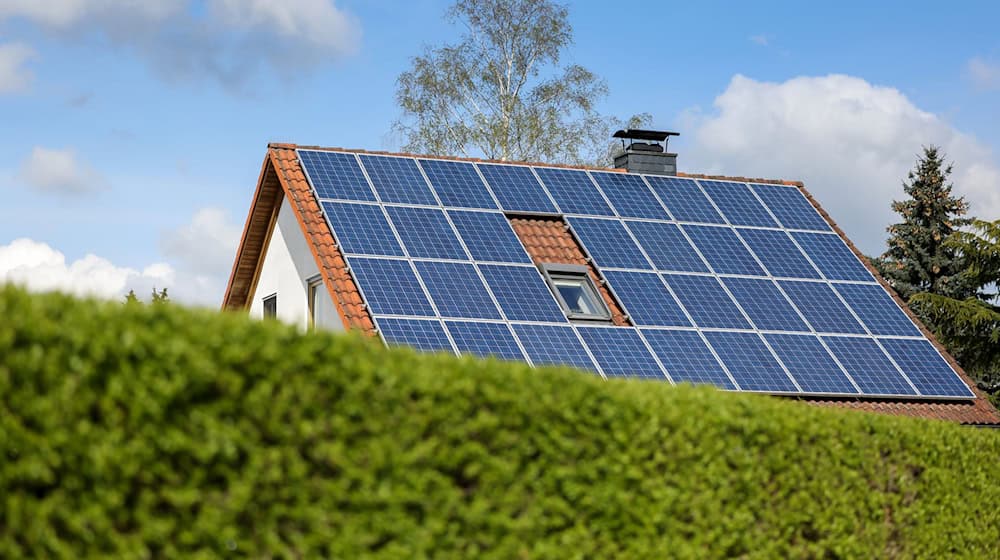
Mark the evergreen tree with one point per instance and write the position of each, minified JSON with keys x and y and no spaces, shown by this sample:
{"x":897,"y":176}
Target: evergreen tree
{"x":919,"y":259}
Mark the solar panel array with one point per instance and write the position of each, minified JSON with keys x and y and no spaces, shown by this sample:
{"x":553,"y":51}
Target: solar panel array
{"x":740,"y":285}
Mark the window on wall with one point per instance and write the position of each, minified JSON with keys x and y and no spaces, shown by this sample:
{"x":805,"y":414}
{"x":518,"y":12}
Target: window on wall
{"x":271,"y":306}
{"x":575,"y":291}
{"x":313,"y":286}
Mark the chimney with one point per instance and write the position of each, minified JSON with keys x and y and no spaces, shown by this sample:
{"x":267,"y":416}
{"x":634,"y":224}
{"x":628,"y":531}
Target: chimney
{"x":646,"y":152}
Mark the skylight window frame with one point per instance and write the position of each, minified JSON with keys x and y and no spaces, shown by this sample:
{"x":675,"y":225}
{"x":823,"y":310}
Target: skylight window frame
{"x":553,"y":272}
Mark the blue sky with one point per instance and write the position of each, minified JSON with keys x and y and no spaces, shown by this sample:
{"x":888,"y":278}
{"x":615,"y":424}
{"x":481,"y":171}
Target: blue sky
{"x":135,"y":135}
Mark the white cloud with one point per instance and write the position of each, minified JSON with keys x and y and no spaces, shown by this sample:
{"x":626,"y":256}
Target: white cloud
{"x":851,"y":142}
{"x":59,"y":171}
{"x":760,"y":39}
{"x":226,"y":40}
{"x":14,"y":77}
{"x":203,"y":252}
{"x":41,"y":268}
{"x":985,"y":75}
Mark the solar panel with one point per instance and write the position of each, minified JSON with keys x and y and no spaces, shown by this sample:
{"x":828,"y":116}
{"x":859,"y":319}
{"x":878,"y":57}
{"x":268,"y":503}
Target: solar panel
{"x":868,"y":365}
{"x":791,"y":207}
{"x":750,"y":362}
{"x":926,"y":368}
{"x":685,"y":200}
{"x":398,"y":180}
{"x":608,"y":243}
{"x":457,"y":184}
{"x":621,"y":353}
{"x":457,"y":290}
{"x":646,"y":300}
{"x":522,"y":293}
{"x":574,"y":192}
{"x":667,"y":247}
{"x":877,"y":310}
{"x":686,"y":357}
{"x":829,"y":253}
{"x":362,"y":229}
{"x":707,"y":303}
{"x":484,"y":339}
{"x":390,"y":287}
{"x":553,"y":345}
{"x":630,"y":196}
{"x":810,"y":363}
{"x":488,"y":236}
{"x":420,"y":334}
{"x":778,"y":253}
{"x":426,"y":233}
{"x":738,"y":204}
{"x":516,"y":188}
{"x":336,"y":175}
{"x":821,"y":307}
{"x":764,"y":303}
{"x":723,"y":250}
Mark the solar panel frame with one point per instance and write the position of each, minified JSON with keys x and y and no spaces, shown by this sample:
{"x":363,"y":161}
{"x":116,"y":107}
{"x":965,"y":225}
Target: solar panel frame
{"x":751,"y":362}
{"x":832,"y":256}
{"x":666,"y":246}
{"x":926,"y":368}
{"x":629,"y":195}
{"x":706,"y":301}
{"x":686,"y":357}
{"x":457,"y":290}
{"x":574,"y":192}
{"x":398,"y":180}
{"x":530,"y":301}
{"x":362,"y":229}
{"x":483,"y":339}
{"x":458,"y":184}
{"x":517,"y":188}
{"x":402,"y":294}
{"x":608,"y":243}
{"x":422,"y":334}
{"x":813,"y":366}
{"x":791,"y":207}
{"x":738,"y":204}
{"x":821,"y":307}
{"x":877,"y":310}
{"x":870,"y":367}
{"x":765,"y":304}
{"x":646,"y":299}
{"x":621,"y":352}
{"x":426,"y":233}
{"x":336,"y":175}
{"x":780,"y":255}
{"x":488,"y":236}
{"x":723,"y":250}
{"x":685,"y":200}
{"x":554,"y":345}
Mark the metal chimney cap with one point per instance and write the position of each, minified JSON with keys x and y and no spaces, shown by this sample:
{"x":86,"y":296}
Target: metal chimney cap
{"x":637,"y":134}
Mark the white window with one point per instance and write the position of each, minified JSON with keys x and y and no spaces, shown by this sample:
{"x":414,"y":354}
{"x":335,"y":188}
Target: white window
{"x":575,"y":291}
{"x":313,"y":287}
{"x":271,"y":306}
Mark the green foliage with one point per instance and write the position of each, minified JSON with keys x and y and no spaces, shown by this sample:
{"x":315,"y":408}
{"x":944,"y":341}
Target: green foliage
{"x":919,"y":259}
{"x":155,"y":431}
{"x":157,"y":297}
{"x":970,"y":327}
{"x":501,"y":91}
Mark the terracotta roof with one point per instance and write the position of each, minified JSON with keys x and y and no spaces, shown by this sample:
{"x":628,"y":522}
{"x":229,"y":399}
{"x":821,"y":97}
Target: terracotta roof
{"x":544,"y":239}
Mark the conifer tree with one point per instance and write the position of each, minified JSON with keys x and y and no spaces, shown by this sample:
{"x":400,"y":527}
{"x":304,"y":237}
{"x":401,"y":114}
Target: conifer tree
{"x":919,"y":259}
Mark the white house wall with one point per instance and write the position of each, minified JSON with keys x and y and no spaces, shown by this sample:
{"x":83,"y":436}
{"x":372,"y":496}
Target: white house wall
{"x":288,"y":266}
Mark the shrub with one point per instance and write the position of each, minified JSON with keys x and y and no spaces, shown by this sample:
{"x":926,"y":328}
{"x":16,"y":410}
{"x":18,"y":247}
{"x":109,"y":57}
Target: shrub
{"x":156,"y":431}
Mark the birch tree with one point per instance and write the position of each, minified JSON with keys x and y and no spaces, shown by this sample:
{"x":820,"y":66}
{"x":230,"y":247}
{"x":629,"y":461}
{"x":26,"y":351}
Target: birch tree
{"x":502,"y":92}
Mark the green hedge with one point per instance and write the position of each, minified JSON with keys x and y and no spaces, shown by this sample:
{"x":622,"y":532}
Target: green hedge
{"x":154,"y":431}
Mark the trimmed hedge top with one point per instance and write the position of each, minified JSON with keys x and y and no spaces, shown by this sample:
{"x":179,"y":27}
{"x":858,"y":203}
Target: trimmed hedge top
{"x":155,"y":431}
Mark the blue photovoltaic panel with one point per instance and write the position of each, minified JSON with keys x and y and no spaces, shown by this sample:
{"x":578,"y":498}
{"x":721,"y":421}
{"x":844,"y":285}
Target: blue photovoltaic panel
{"x":488,"y":236}
{"x":707,"y":303}
{"x":608,"y":243}
{"x":810,"y":363}
{"x":724,"y":250}
{"x":522,"y":293}
{"x":484,"y":339}
{"x":778,"y":253}
{"x":646,"y":300}
{"x":426,"y":233}
{"x":926,"y":368}
{"x":750,"y":362}
{"x":621,"y":352}
{"x":457,"y":184}
{"x":630,"y":196}
{"x":829,"y":253}
{"x":685,"y":200}
{"x":686,"y":358}
{"x":553,"y":345}
{"x":457,"y":290}
{"x":390,"y":287}
{"x":574,"y":192}
{"x":764,"y":303}
{"x":336,"y":175}
{"x":667,"y":247}
{"x":821,"y":307}
{"x":877,"y":310}
{"x":868,"y":365}
{"x":422,"y":335}
{"x":516,"y":188}
{"x":738,"y":204}
{"x":398,"y":180}
{"x":791,"y":207}
{"x":362,"y":229}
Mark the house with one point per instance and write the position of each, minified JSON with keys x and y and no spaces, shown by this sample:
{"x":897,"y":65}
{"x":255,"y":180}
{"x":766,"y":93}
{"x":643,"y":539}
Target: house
{"x":638,"y":271}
